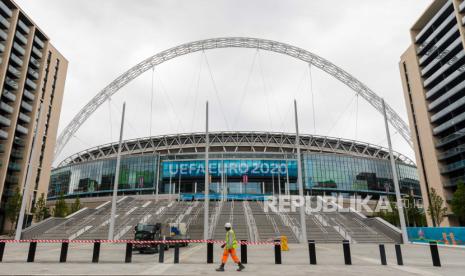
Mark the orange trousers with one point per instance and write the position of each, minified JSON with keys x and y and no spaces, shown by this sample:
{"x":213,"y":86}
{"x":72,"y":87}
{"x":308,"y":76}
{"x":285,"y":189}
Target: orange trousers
{"x":226,"y":253}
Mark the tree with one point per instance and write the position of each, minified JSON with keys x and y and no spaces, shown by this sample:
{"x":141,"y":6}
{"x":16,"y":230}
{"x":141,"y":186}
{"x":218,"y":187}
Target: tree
{"x":40,"y":209}
{"x":436,"y":210}
{"x":12,"y":208}
{"x":61,"y":209}
{"x":415,"y":216}
{"x":458,"y":203}
{"x":76,"y":206}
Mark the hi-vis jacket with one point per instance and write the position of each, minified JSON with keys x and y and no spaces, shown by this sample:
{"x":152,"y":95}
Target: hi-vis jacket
{"x":231,"y":242}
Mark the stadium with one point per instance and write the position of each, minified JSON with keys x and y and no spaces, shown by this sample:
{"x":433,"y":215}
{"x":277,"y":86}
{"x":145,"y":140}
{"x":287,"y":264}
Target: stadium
{"x":162,"y":179}
{"x":242,"y":165}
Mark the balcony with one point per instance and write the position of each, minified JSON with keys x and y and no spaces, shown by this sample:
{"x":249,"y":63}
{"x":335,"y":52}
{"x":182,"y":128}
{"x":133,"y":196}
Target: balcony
{"x":450,"y":123}
{"x":35,"y":62}
{"x":21,"y":129}
{"x":4,"y":22}
{"x":16,"y":59}
{"x":23,"y":117}
{"x":452,"y":152}
{"x":5,"y":9}
{"x":15,"y":72}
{"x":26,"y":106}
{"x":4,"y":121}
{"x":448,"y":109}
{"x":19,"y":142}
{"x":457,"y":89}
{"x":22,"y":26}
{"x":19,"y":49}
{"x":37,"y":52}
{"x":21,"y":37}
{"x":17,"y":154}
{"x":462,"y":7}
{"x":11,"y":83}
{"x":3,"y":35}
{"x":2,"y":47}
{"x":12,"y":179}
{"x":31,"y":84}
{"x":39,"y":42}
{"x":6,"y":107}
{"x":14,"y":167}
{"x":28,"y":95}
{"x":8,"y":95}
{"x":3,"y":134}
{"x":453,"y":166}
{"x":33,"y":73}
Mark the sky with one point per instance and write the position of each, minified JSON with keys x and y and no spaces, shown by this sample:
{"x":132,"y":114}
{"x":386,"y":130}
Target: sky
{"x":247,"y":90}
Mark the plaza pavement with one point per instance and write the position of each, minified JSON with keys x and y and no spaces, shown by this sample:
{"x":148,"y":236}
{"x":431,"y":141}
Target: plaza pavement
{"x":330,"y":261}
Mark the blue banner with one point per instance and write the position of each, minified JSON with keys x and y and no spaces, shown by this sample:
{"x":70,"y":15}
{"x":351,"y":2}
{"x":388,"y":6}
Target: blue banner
{"x":441,"y":235}
{"x":238,"y":168}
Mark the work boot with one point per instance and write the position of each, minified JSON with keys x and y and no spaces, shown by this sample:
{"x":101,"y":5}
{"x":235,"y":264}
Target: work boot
{"x":241,"y":267}
{"x":221,"y":268}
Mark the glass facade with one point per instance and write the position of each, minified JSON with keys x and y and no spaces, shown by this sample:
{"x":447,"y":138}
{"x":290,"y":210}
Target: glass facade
{"x":234,"y":173}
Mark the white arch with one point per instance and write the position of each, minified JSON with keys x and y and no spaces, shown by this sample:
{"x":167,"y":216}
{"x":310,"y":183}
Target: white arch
{"x":230,"y":42}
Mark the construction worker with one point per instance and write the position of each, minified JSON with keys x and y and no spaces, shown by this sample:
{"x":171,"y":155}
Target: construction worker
{"x":230,"y":245}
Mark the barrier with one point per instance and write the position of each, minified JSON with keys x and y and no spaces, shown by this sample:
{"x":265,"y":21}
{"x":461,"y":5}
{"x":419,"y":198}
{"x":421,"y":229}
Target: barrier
{"x":161,"y":253}
{"x":346,"y":249}
{"x":312,"y":252}
{"x":176,"y":253}
{"x":277,"y":252}
{"x":400,"y":260}
{"x":32,"y":252}
{"x":433,"y":246}
{"x":128,"y":257}
{"x":209,"y":252}
{"x":2,"y":250}
{"x":243,"y":252}
{"x":96,"y":252}
{"x":382,"y":254}
{"x":64,"y":252}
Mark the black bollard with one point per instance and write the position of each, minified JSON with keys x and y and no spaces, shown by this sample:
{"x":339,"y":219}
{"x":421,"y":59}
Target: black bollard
{"x":433,"y":246}
{"x":96,"y":253}
{"x":277,"y":252}
{"x":64,"y":252}
{"x":161,"y":252}
{"x":312,"y":252}
{"x":2,"y":250}
{"x":400,"y":260}
{"x":209,"y":252}
{"x":32,"y":252}
{"x":382,"y":254}
{"x":346,"y":249}
{"x":128,"y":257}
{"x":243,"y":251}
{"x":176,"y":253}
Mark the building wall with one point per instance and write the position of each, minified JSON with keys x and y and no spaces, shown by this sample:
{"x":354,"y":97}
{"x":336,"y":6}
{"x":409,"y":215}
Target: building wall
{"x":430,"y":70}
{"x":32,"y":76}
{"x":266,"y":173}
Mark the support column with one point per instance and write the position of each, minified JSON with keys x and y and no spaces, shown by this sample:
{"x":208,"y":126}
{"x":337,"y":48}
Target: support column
{"x":206,"y":201}
{"x":303,"y":224}
{"x":115,"y":186}
{"x":400,"y":206}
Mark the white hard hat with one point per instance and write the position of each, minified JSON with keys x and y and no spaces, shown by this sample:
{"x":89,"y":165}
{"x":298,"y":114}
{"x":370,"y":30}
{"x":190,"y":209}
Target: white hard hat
{"x":227,"y":225}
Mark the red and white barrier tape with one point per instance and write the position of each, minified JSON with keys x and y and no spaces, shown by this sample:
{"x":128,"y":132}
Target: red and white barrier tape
{"x":137,"y":241}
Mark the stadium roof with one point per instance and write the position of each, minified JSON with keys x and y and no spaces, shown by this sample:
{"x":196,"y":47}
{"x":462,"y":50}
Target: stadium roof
{"x":274,"y":142}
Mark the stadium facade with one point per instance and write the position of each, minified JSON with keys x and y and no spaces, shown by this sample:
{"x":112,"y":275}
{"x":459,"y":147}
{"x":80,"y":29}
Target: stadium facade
{"x":242,"y":165}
